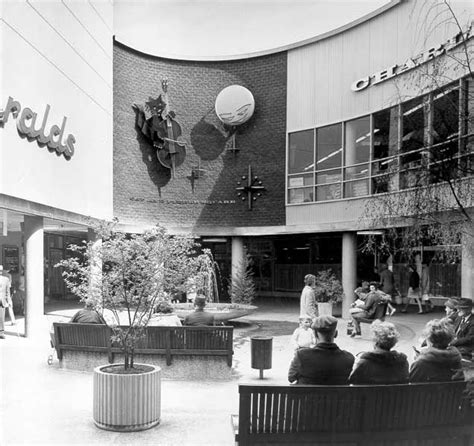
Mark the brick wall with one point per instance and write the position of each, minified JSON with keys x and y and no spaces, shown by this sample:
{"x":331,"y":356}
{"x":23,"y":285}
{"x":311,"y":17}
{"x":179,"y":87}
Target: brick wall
{"x":145,"y":193}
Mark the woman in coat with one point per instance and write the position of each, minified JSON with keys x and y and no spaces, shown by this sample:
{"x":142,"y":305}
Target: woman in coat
{"x":382,"y":365}
{"x":437,"y":361}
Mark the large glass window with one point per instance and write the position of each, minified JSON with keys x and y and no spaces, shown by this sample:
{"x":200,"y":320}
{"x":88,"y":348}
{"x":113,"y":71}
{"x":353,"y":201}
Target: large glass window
{"x":356,"y":157}
{"x":328,"y":162}
{"x":426,"y":139}
{"x":444,"y":152}
{"x":301,"y":152}
{"x":413,"y":141}
{"x":385,"y":146}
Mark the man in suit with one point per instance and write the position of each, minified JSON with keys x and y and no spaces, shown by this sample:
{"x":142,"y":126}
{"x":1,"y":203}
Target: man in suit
{"x":325,"y":364}
{"x":4,"y":299}
{"x":199,"y":317}
{"x":464,"y":328}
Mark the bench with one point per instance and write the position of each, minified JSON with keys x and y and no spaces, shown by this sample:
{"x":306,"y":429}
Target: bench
{"x":402,"y":415}
{"x":166,"y":341}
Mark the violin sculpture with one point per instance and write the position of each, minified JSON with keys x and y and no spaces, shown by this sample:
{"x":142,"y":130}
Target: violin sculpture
{"x":158,"y":124}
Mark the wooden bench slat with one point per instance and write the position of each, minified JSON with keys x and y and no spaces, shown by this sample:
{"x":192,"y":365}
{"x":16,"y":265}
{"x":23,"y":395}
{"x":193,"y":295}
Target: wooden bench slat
{"x":168,"y":341}
{"x":364,"y":414}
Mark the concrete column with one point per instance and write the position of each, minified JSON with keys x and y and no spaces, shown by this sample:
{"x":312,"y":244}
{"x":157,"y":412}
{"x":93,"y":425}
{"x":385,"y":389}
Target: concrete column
{"x":35,"y":322}
{"x":95,"y":284}
{"x":467,"y":263}
{"x":349,"y":269}
{"x":237,"y":255}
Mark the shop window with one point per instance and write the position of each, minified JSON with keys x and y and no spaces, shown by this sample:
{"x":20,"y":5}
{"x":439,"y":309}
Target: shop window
{"x":385,"y":147}
{"x":301,"y":152}
{"x":357,"y":157}
{"x":445,"y":132}
{"x":413,"y":130}
{"x":328,"y":162}
{"x":467,"y":146}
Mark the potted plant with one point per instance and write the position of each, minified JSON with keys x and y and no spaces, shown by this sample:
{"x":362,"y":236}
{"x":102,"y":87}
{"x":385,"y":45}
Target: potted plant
{"x":124,"y":276}
{"x":328,"y":290}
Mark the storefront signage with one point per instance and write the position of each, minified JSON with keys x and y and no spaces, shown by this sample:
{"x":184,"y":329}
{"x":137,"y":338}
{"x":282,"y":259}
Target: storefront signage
{"x":395,"y":70}
{"x":26,"y":125}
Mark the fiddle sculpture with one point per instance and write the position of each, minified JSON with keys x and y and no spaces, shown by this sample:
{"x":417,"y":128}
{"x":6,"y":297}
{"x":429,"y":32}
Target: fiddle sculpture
{"x":157,"y":123}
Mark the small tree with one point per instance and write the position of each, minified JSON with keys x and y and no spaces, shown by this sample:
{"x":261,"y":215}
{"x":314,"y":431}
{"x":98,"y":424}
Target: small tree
{"x":128,"y":274}
{"x":327,"y":288}
{"x":242,"y":286}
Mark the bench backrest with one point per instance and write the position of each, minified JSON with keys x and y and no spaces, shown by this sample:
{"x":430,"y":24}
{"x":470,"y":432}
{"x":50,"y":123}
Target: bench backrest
{"x":186,"y":339}
{"x":298,"y":411}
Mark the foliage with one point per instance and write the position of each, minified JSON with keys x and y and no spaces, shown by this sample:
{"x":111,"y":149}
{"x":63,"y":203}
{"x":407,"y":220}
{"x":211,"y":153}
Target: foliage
{"x":328,"y":287}
{"x":127,"y":275}
{"x":242,"y":287}
{"x":435,"y":204}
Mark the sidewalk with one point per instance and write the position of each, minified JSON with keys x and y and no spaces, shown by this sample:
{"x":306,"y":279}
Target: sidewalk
{"x":45,"y":405}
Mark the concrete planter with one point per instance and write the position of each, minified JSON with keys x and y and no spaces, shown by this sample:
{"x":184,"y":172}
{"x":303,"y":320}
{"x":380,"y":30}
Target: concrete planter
{"x":129,"y":402}
{"x":325,"y":308}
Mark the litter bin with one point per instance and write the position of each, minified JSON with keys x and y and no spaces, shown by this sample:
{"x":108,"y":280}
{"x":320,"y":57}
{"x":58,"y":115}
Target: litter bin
{"x":261,"y":353}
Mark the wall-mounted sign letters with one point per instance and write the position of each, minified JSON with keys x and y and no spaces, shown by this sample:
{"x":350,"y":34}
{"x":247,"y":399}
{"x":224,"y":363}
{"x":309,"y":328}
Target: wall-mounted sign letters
{"x":413,"y":62}
{"x":26,"y":125}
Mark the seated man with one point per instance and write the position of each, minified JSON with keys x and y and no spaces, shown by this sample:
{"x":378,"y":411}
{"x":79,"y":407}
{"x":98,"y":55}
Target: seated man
{"x":464,"y":329}
{"x":199,"y":317}
{"x":368,"y":310}
{"x":88,"y":316}
{"x":325,"y":364}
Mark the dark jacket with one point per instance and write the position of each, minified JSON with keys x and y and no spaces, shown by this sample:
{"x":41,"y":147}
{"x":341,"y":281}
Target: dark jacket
{"x":387,"y":282}
{"x":464,"y":340}
{"x":434,"y":364}
{"x":414,"y":280}
{"x":380,"y":367}
{"x":325,"y":364}
{"x":199,"y":318}
{"x":373,"y":300}
{"x":86,"y":316}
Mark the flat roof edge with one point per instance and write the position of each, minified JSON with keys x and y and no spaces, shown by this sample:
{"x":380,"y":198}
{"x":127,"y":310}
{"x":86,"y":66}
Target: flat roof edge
{"x":271,"y":51}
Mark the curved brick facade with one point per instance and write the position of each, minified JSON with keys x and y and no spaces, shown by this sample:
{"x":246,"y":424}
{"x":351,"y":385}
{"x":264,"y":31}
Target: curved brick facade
{"x":145,"y":193}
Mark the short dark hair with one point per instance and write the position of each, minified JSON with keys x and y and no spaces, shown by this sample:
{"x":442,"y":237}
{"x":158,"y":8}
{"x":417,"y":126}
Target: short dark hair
{"x":440,"y":333}
{"x":375,"y":284}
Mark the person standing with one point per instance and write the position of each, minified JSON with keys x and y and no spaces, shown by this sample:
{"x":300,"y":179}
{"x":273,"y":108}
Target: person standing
{"x":413,"y":289}
{"x":325,"y":364}
{"x":425,"y":287}
{"x":387,"y":286}
{"x":9,"y":305}
{"x":303,"y":336}
{"x":4,"y":297}
{"x":308,"y":298}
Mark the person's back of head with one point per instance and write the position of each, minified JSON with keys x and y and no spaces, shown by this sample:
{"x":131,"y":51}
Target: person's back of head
{"x":200,"y":302}
{"x":325,"y":328}
{"x":384,"y":335}
{"x":439,"y":333}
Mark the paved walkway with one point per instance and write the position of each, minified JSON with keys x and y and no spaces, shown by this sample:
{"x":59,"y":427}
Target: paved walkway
{"x":45,"y":405}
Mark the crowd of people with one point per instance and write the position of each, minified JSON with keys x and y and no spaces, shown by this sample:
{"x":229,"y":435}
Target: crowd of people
{"x":446,"y":343}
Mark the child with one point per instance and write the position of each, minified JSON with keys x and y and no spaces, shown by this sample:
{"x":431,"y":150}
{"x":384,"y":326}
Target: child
{"x":304,"y":336}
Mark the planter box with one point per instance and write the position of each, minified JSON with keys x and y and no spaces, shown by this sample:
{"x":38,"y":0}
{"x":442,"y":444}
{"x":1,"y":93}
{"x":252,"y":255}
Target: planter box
{"x":324,"y":308}
{"x":129,"y":402}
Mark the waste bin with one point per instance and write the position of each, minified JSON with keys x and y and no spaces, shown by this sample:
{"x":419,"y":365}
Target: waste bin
{"x":261,"y":353}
